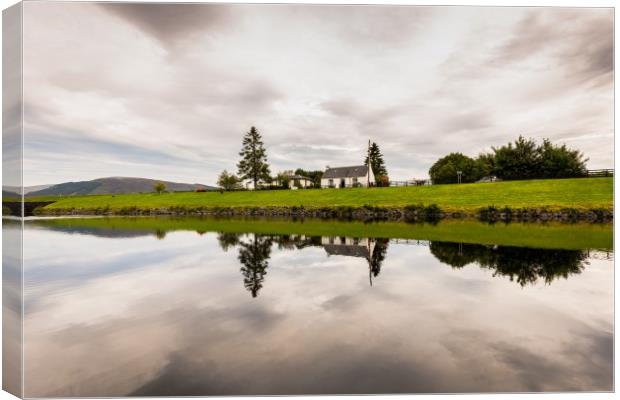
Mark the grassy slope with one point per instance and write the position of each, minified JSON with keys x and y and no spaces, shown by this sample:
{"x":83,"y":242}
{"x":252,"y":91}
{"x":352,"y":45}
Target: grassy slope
{"x":556,"y":236}
{"x":558,"y":193}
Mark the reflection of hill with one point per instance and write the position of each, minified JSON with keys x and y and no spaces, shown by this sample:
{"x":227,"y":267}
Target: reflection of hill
{"x":525,"y":265}
{"x":105,"y":232}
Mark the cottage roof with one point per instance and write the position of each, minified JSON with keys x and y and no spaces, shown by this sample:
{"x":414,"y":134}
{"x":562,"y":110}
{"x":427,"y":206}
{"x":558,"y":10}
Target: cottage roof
{"x":299,"y":177}
{"x":346,"y":172}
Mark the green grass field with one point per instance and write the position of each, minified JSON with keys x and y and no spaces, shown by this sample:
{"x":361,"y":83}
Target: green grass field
{"x":552,"y":236}
{"x":585,"y":193}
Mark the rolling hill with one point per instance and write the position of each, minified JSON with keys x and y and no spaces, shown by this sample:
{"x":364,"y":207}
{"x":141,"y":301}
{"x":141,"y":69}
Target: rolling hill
{"x":26,"y":189}
{"x":13,"y":196}
{"x":115,"y":185}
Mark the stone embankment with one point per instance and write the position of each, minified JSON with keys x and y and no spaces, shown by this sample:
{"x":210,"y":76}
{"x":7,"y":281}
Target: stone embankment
{"x":365,"y":213}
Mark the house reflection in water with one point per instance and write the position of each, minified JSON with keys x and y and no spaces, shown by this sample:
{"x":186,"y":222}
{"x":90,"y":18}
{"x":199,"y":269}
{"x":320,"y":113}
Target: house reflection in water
{"x":372,"y":249}
{"x":347,"y":246}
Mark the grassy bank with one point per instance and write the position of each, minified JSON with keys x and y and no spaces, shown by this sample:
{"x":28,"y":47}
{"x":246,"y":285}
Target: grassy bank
{"x":552,"y":236}
{"x":554,"y":194}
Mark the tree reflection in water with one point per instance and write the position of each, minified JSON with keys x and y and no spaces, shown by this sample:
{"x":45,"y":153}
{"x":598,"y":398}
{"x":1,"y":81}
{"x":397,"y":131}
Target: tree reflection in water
{"x":521,"y":264}
{"x":378,"y":256}
{"x":228,"y":240}
{"x":253,"y":255}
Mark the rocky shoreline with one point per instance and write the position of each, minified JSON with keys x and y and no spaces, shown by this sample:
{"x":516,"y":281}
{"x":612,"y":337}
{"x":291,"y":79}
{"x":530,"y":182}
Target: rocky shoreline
{"x":407,"y":214}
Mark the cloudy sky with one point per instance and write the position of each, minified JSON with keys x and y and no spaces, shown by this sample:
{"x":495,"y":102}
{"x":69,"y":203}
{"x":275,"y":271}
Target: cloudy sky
{"x":167,"y":91}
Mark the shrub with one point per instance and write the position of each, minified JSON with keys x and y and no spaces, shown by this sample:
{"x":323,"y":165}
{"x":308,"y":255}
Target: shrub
{"x":445,"y":170}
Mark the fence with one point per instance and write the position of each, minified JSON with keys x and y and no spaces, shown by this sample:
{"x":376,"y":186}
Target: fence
{"x":600,"y":172}
{"x":414,"y":182}
{"x":345,"y":185}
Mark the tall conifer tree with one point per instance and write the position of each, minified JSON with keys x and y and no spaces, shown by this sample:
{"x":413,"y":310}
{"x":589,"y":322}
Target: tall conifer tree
{"x":253,"y":164}
{"x":376,"y":162}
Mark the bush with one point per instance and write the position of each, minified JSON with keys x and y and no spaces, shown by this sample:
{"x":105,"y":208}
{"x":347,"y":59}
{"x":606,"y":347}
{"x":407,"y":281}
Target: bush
{"x":383,"y":181}
{"x":228,"y":181}
{"x":159,"y":187}
{"x":445,"y":169}
{"x":526,"y":160}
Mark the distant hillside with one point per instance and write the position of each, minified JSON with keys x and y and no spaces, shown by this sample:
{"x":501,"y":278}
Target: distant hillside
{"x":10,"y":195}
{"x":115,"y":185}
{"x":27,"y":189}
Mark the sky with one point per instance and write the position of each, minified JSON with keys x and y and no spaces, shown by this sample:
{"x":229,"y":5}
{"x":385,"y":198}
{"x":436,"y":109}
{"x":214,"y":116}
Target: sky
{"x":167,"y":91}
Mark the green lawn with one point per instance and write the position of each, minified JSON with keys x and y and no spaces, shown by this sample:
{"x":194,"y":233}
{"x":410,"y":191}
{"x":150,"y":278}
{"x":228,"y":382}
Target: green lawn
{"x":585,"y":193}
{"x":552,"y":236}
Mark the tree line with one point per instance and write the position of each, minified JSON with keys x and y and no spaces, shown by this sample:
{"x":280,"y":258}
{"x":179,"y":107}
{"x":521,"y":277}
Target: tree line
{"x":521,"y":264}
{"x":254,"y":166}
{"x":523,"y":159}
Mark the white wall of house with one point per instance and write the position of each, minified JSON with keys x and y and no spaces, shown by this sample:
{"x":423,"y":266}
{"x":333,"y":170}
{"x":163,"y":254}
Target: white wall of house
{"x":304,"y":183}
{"x":349,"y":181}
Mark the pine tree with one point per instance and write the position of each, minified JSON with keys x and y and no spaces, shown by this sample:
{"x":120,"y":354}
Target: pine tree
{"x":253,"y":164}
{"x":376,"y":162}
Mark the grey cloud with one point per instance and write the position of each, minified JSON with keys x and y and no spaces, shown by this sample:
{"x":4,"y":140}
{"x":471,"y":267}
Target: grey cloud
{"x":342,"y":107}
{"x":530,"y":35}
{"x":581,"y":43}
{"x":464,"y":121}
{"x":591,"y":57}
{"x":250,"y":94}
{"x":170,"y":23}
{"x":182,"y":84}
{"x":386,"y":26}
{"x":389,"y":26}
{"x":368,"y":118}
{"x":56,"y":138}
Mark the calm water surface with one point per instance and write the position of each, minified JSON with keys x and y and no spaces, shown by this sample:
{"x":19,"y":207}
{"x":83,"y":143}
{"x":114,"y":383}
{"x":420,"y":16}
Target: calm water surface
{"x":111,"y":312}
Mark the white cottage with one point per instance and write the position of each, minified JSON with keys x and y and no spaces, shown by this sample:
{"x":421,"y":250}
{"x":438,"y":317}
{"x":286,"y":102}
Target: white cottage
{"x":299,"y":181}
{"x":295,"y":181}
{"x":341,"y":177}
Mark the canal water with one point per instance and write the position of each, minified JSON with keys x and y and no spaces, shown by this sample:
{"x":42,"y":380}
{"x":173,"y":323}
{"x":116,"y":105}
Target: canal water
{"x":116,"y":311}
